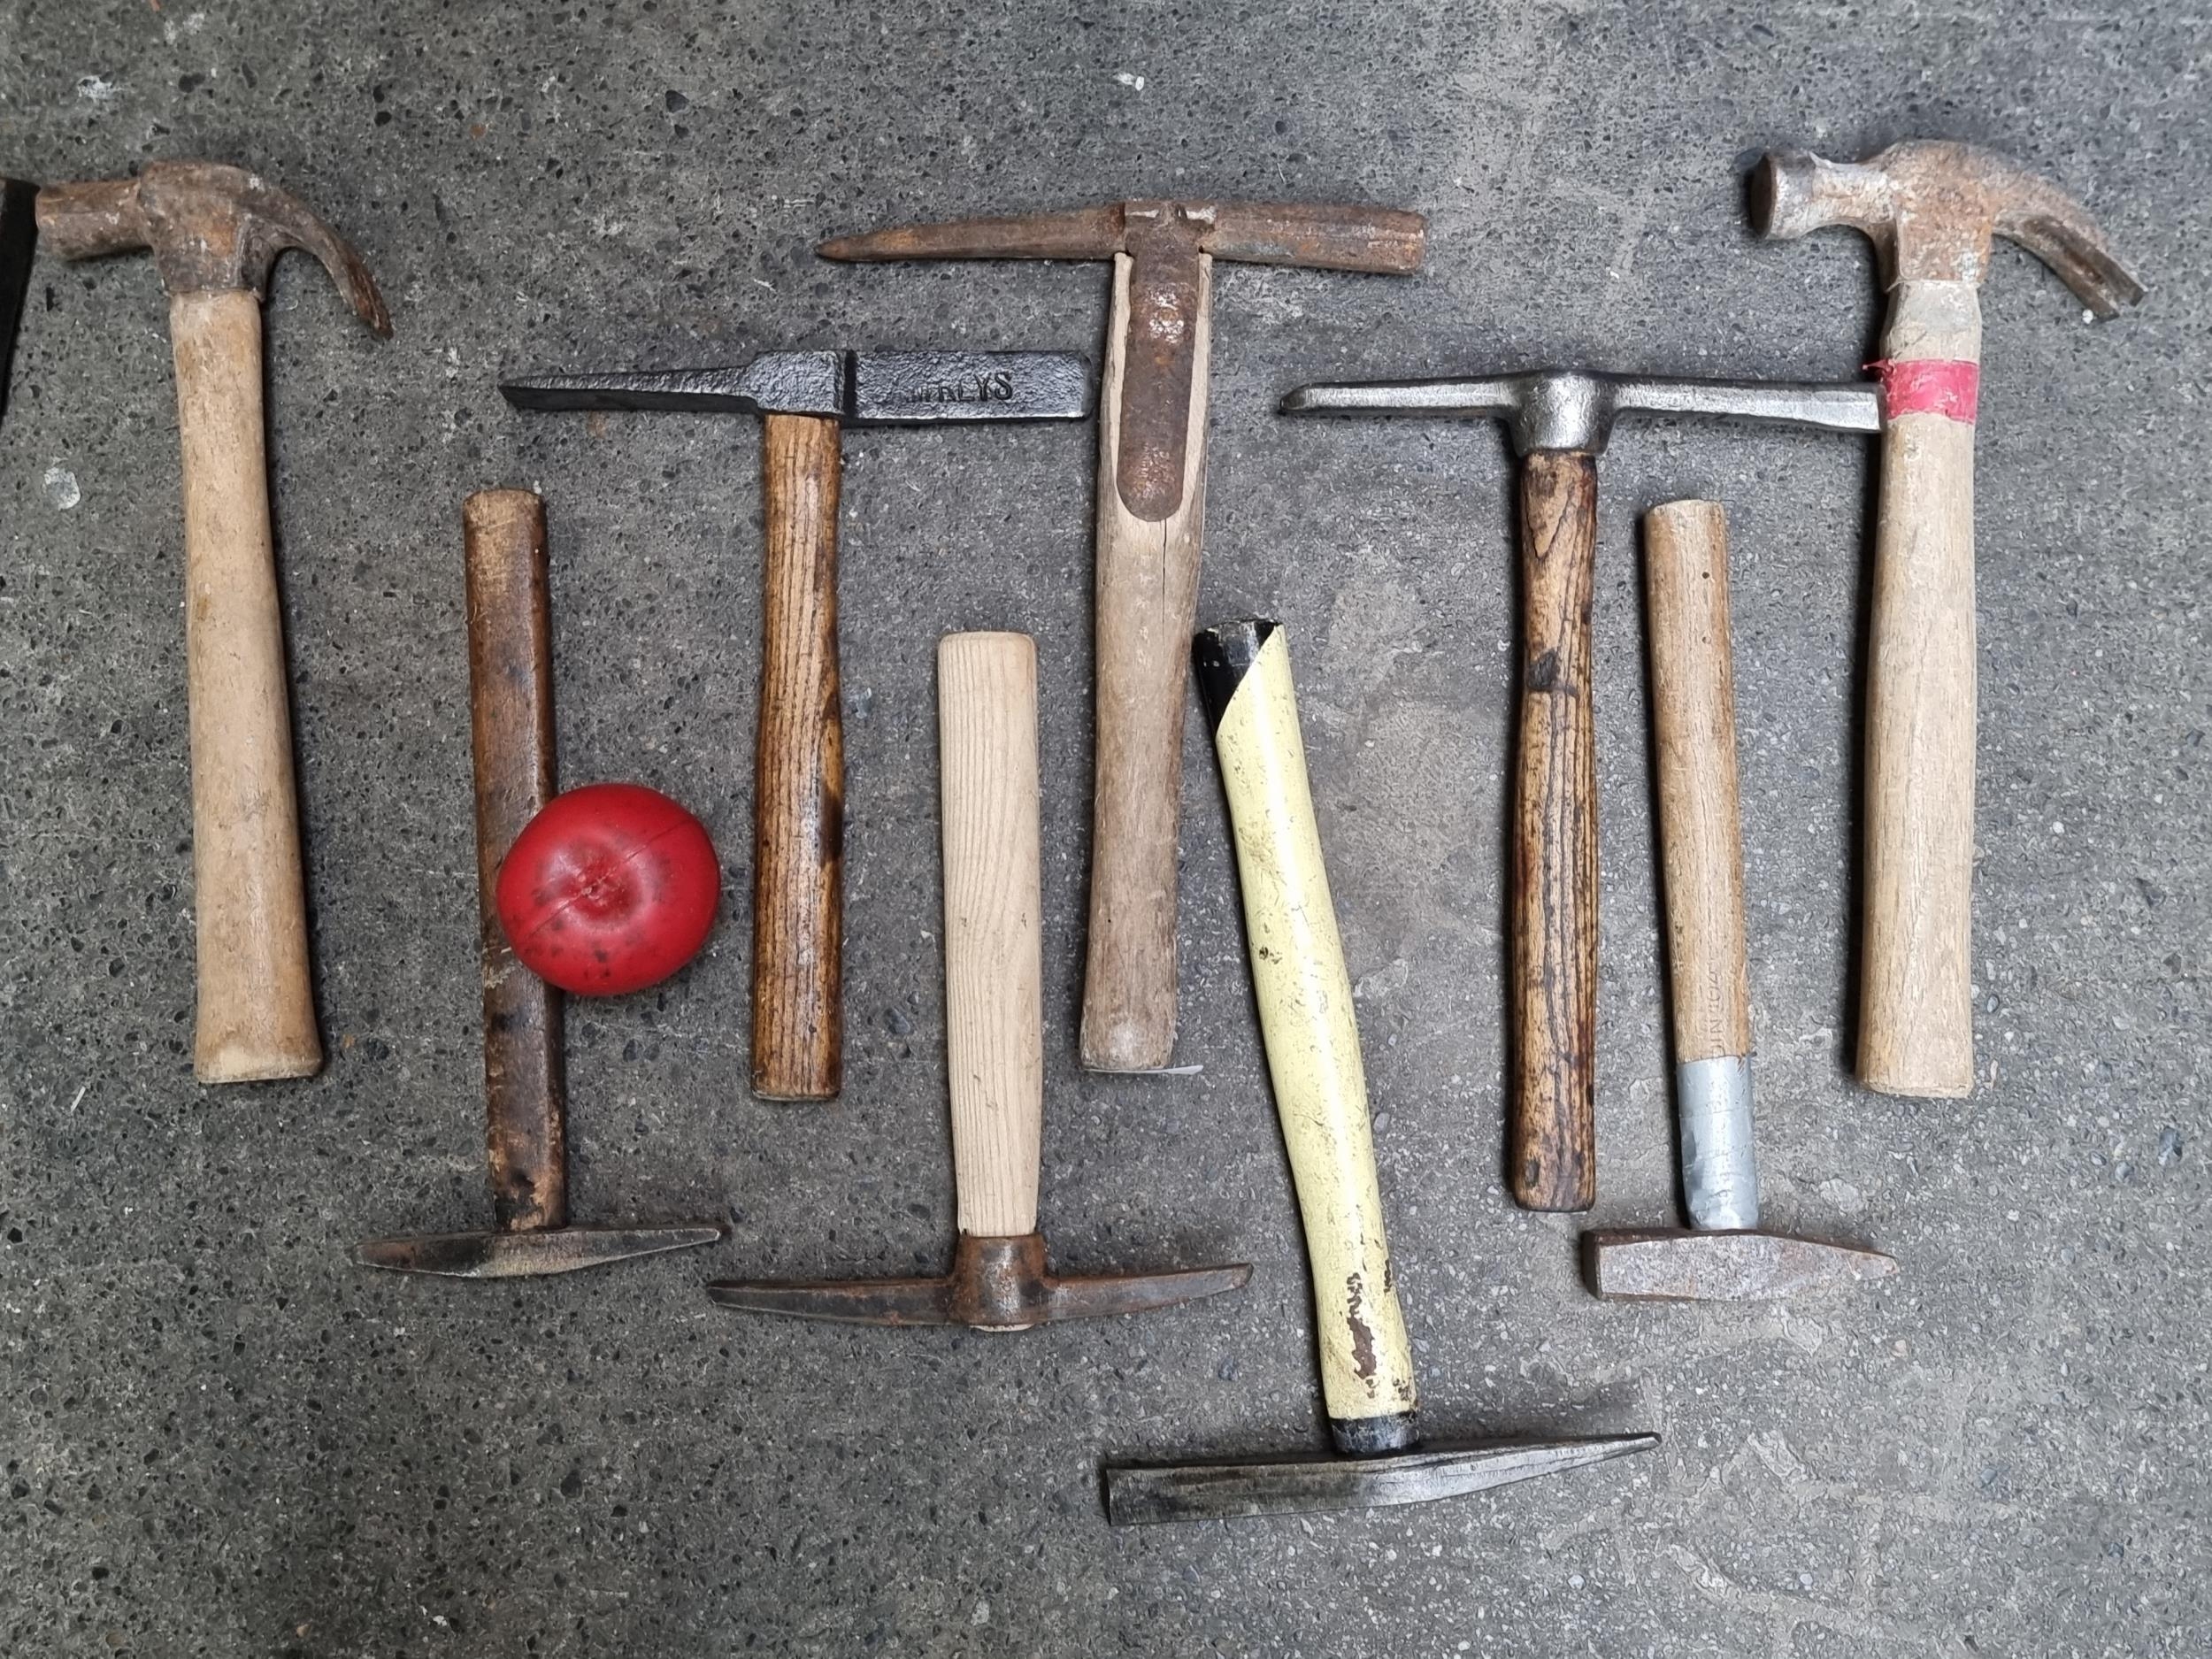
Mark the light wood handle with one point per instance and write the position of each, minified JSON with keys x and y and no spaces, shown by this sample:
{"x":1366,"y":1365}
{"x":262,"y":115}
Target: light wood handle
{"x":1146,"y":600}
{"x":1554,"y":1131}
{"x":1916,"y":1012}
{"x":1306,"y":1018}
{"x":256,"y":1000}
{"x":1693,"y":718}
{"x":799,"y":772}
{"x":987,"y":737}
{"x":510,"y":726}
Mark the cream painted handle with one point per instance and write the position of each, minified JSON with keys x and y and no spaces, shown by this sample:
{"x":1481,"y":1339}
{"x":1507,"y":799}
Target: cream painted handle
{"x":987,"y":735}
{"x":1916,"y":1014}
{"x":1147,"y":599}
{"x":1694,"y":713}
{"x":256,"y":1003}
{"x":1305,"y":998}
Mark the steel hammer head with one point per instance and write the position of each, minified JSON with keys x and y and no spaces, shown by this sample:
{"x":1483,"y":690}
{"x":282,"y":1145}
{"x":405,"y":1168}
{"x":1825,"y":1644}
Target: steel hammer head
{"x":1932,"y":208}
{"x":1672,"y":1265}
{"x":210,"y":227}
{"x":531,"y":1254}
{"x":994,"y":1284}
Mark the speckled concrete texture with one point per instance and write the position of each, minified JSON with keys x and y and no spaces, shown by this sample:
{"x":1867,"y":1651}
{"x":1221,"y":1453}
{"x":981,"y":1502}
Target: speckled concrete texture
{"x":222,"y":1438}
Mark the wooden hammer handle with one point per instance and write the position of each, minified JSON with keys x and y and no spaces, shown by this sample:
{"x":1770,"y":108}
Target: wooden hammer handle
{"x":257,"y":1001}
{"x":1554,"y":1133}
{"x":1916,"y":1010}
{"x":986,"y":731}
{"x":1147,"y":601}
{"x":510,"y":725}
{"x":799,"y":773}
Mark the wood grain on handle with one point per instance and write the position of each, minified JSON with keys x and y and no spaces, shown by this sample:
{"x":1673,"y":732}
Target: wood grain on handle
{"x":510,"y":724}
{"x":1693,"y":720}
{"x":1916,"y":1012}
{"x":799,"y":773}
{"x":1554,"y":1133}
{"x":1146,"y":587}
{"x":986,"y":728}
{"x":256,"y":1000}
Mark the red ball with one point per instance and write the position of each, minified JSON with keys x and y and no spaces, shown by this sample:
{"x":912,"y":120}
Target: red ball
{"x":613,"y":888}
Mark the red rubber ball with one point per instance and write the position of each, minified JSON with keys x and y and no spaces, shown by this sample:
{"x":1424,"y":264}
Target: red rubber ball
{"x":613,"y":888}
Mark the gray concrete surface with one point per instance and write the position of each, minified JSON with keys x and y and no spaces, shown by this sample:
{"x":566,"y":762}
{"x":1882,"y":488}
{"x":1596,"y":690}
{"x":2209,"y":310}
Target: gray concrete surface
{"x":221,"y":1439}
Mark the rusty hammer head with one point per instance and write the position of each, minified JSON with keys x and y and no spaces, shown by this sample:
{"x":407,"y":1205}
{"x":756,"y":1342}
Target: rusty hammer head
{"x":210,"y":227}
{"x":1932,"y":208}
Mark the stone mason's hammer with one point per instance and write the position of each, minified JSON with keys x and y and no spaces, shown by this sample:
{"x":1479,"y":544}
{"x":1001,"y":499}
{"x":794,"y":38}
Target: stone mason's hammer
{"x":215,"y":233}
{"x":1151,"y":509}
{"x":986,"y":716}
{"x":1726,"y":1256}
{"x":1313,"y":1059}
{"x":806,"y":400}
{"x":511,"y":717}
{"x":1559,"y":421}
{"x":1932,"y":210}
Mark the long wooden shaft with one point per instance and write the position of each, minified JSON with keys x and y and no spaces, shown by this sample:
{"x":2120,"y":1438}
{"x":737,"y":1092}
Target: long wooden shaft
{"x":799,"y":773}
{"x":1146,"y":600}
{"x":256,"y":1000}
{"x":987,"y":727}
{"x":510,"y":724}
{"x":1553,"y":1125}
{"x":1915,"y":1013}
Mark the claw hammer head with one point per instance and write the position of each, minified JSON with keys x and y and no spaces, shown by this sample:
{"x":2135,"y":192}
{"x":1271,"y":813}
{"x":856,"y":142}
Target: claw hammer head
{"x":1932,"y":210}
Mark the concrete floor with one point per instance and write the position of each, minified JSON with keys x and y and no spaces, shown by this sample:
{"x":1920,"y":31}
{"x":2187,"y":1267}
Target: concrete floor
{"x":220,"y":1438}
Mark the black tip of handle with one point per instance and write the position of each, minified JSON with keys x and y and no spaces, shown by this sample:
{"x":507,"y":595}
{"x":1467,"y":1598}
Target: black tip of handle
{"x":1221,"y":656}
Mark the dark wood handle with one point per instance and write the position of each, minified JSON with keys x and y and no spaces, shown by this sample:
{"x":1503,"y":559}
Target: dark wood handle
{"x":799,"y":774}
{"x":1556,"y":842}
{"x":510,"y":719}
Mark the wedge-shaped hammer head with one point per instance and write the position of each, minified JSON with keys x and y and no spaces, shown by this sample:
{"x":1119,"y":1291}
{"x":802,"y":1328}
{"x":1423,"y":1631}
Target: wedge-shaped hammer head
{"x":1673,"y":1264}
{"x":526,"y":1255}
{"x":857,"y":387}
{"x":1932,"y":208}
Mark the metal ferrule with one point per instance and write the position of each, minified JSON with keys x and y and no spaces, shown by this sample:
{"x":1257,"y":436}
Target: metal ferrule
{"x":1720,"y":1171}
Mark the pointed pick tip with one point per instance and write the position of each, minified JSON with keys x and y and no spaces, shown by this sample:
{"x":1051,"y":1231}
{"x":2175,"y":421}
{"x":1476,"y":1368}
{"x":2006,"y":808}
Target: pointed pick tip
{"x":898,"y":1302}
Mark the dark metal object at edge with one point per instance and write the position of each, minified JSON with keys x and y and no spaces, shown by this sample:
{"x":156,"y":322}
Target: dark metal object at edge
{"x":18,"y":243}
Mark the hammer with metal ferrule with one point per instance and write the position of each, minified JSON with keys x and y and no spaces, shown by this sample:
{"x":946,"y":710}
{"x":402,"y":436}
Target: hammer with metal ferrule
{"x":1313,"y":1059}
{"x":1151,"y":509}
{"x":805,"y":399}
{"x":215,"y":233}
{"x":511,"y":714}
{"x":1559,"y":421}
{"x":987,"y":718}
{"x":1725,"y":1256}
{"x":1932,"y":210}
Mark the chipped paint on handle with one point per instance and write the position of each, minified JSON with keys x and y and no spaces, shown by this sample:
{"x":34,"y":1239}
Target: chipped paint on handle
{"x":1306,"y":1016}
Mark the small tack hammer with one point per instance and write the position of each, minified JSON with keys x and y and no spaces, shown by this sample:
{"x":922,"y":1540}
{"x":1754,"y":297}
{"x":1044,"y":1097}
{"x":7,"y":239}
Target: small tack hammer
{"x":1726,"y":1257}
{"x":215,"y":233}
{"x":987,"y":721}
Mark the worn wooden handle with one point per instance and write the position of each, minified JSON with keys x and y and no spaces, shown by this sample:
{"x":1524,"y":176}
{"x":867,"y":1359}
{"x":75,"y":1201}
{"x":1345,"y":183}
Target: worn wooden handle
{"x":799,"y":773}
{"x":987,"y":735}
{"x":1694,"y":720}
{"x":1146,"y":600}
{"x":1306,"y":1018}
{"x":1554,"y":1133}
{"x":1916,"y":1010}
{"x":257,"y":1001}
{"x":510,"y":724}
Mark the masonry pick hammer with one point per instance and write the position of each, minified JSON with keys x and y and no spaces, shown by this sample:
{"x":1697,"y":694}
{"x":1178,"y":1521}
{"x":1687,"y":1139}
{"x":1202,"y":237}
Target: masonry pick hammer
{"x":1559,"y":421}
{"x":987,"y":716}
{"x":1150,"y":513}
{"x":1932,"y":210}
{"x":1724,"y":1255}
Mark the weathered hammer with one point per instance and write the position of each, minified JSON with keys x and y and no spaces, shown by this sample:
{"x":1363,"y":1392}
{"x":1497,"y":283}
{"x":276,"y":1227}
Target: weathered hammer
{"x":805,"y":399}
{"x":1932,"y":210}
{"x":215,"y":232}
{"x":1559,"y":421}
{"x":987,"y":722}
{"x":1313,"y":1059}
{"x":1151,"y":507}
{"x":1726,"y":1256}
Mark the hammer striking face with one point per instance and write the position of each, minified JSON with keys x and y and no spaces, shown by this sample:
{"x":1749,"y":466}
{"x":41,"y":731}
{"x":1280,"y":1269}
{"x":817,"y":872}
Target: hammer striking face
{"x":805,"y":398}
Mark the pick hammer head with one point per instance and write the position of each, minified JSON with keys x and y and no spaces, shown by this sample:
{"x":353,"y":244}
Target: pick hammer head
{"x":994,"y":1284}
{"x":1673,"y":1264}
{"x":531,"y":1254}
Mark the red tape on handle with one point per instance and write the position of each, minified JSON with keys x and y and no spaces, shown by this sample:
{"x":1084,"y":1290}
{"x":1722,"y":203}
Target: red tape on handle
{"x":1949,"y":387}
